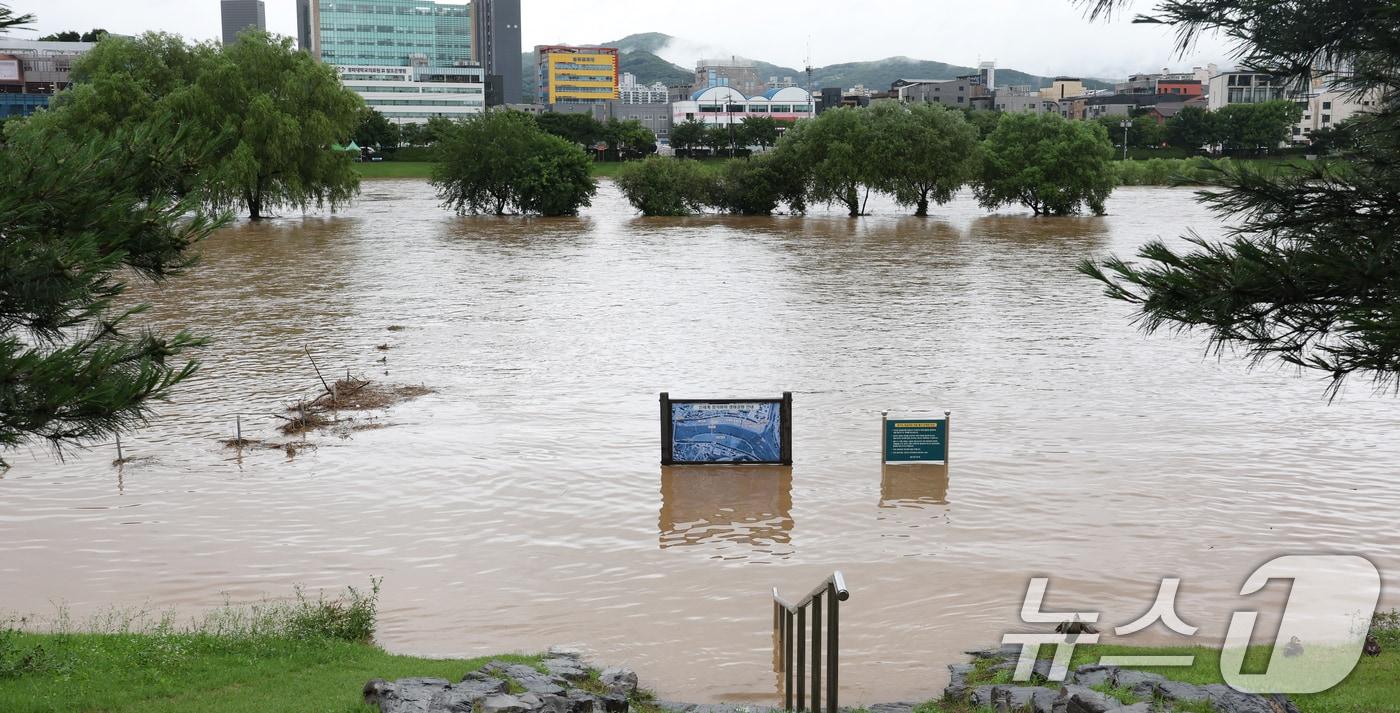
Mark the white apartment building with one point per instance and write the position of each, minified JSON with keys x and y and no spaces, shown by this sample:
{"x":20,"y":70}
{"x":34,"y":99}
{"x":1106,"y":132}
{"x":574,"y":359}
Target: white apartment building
{"x":630,"y":92}
{"x":1323,"y":104}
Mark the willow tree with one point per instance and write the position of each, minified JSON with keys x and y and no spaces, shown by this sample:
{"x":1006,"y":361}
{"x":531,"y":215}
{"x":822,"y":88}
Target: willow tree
{"x":835,"y":151}
{"x":278,"y":112}
{"x":923,"y":153}
{"x":1046,"y":163}
{"x":503,"y":161}
{"x":249,"y":125}
{"x":1309,"y":273}
{"x":76,"y":222}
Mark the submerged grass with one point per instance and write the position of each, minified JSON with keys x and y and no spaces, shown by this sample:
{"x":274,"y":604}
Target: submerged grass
{"x":310,"y":654}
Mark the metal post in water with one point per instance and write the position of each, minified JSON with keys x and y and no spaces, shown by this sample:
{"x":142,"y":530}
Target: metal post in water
{"x":119,"y":448}
{"x":817,"y":654}
{"x":801,"y":658}
{"x":833,"y":640}
{"x":787,"y":661}
{"x":238,"y":425}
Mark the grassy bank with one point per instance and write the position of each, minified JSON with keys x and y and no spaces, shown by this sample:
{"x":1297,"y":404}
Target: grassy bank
{"x":293,"y":657}
{"x":177,"y":673}
{"x":1372,"y":687}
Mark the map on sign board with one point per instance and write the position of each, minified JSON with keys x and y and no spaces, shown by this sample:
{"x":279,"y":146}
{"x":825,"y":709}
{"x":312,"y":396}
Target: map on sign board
{"x":743,"y":432}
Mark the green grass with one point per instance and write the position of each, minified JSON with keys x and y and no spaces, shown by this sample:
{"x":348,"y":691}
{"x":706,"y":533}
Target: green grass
{"x":395,"y":169}
{"x":176,"y":673}
{"x":1372,"y":687}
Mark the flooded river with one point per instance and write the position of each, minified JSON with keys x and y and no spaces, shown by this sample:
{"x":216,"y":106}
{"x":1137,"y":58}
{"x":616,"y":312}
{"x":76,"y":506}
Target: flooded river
{"x":522,"y":504}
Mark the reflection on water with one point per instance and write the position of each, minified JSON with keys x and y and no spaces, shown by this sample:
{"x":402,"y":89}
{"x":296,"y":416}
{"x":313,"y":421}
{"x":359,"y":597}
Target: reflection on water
{"x":518,"y":506}
{"x":914,"y":485}
{"x":737,"y":512}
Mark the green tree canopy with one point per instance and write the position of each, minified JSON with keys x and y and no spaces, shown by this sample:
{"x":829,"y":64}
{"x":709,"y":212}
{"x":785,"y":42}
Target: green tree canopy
{"x":629,"y":138}
{"x":836,"y":153}
{"x":717,"y":138}
{"x":661,"y":186}
{"x":503,"y":161}
{"x":77,"y":219}
{"x":922,"y":153}
{"x":760,"y":131}
{"x":688,"y":135}
{"x":93,"y":35}
{"x":1046,"y":163}
{"x":75,"y":227}
{"x":1310,"y":272}
{"x":253,"y":123}
{"x":376,"y":130}
{"x":581,"y":129}
{"x":1257,"y":127}
{"x":1192,"y":128}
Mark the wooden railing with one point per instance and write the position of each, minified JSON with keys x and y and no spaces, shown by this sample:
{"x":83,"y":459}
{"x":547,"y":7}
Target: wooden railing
{"x":790,"y":642}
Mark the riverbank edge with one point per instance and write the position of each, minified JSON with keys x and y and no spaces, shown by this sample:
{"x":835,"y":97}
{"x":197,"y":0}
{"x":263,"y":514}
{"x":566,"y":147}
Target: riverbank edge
{"x":178,"y":672}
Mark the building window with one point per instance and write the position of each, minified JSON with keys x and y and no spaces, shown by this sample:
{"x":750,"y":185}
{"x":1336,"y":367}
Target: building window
{"x":1326,"y":105}
{"x":1326,"y":118}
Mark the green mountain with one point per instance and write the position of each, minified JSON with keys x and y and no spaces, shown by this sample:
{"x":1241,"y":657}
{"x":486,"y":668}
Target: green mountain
{"x":638,"y":56}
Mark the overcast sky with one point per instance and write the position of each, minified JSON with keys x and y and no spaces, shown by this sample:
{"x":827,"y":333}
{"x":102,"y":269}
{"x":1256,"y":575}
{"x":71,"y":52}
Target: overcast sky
{"x":1040,"y":36}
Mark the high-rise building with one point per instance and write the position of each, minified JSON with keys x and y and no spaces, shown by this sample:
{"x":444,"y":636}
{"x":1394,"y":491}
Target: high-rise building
{"x":576,"y":75}
{"x":410,"y":59}
{"x":240,"y":15}
{"x":496,"y":45}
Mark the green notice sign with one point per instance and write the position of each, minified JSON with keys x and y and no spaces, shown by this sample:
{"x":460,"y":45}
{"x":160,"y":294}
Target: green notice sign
{"x":924,"y":440}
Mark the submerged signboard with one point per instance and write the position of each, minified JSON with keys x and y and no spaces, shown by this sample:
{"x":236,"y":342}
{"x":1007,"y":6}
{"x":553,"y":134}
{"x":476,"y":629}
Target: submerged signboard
{"x":916,"y":441}
{"x":726,"y":431}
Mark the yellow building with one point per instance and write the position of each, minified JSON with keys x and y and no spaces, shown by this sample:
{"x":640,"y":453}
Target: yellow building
{"x":1063,"y":88}
{"x":576,"y":75}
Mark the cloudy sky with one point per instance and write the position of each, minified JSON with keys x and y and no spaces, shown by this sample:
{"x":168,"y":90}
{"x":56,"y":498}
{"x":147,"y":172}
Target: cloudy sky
{"x":1039,"y":36}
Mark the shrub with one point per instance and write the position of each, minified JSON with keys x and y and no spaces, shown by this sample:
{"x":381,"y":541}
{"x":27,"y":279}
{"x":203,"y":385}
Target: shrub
{"x":502,"y":160}
{"x":666,"y":186}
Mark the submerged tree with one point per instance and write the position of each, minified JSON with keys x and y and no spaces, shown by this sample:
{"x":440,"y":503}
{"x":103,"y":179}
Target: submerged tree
{"x":923,"y":153}
{"x":661,"y":186}
{"x":1310,"y":273}
{"x":250,"y":124}
{"x":1046,"y":163}
{"x":501,"y":161}
{"x":836,"y":153}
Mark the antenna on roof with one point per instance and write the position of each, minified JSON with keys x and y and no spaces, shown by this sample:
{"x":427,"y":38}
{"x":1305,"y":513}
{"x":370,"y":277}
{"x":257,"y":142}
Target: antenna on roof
{"x":808,"y":63}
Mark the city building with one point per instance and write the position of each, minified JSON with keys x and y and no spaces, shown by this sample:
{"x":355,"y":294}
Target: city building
{"x":240,"y":15}
{"x":1023,"y":100}
{"x":656,"y":116}
{"x":1063,"y":88}
{"x":1245,"y":88}
{"x":988,"y":72}
{"x":576,"y":75}
{"x":410,"y":59}
{"x":959,"y":92}
{"x":737,"y":73}
{"x":496,"y":46}
{"x":1187,"y":84}
{"x":31,"y":72}
{"x":1326,"y":105}
{"x":630,"y":92}
{"x":723,"y":106}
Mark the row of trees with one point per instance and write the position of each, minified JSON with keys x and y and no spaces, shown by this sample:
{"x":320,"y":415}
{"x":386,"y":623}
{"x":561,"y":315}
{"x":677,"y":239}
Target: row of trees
{"x":1234,"y":128}
{"x":760,"y":131}
{"x":624,"y":138}
{"x":920,"y":155}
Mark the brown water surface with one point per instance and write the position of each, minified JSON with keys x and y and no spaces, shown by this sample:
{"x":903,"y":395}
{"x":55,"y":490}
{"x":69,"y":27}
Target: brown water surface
{"x":521,"y":504}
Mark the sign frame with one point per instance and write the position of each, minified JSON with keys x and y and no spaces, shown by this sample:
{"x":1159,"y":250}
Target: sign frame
{"x":885,"y":422}
{"x":784,"y":430}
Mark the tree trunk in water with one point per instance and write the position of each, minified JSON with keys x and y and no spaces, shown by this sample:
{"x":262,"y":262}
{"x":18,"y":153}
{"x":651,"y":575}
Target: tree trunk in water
{"x":922,"y":211}
{"x":853,"y":202}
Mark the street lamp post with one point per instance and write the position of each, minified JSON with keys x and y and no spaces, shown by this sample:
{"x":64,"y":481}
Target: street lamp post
{"x":1126,"y":124}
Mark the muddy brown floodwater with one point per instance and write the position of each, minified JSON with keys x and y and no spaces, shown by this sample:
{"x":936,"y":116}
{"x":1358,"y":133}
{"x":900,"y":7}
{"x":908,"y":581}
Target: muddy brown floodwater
{"x":521,"y":504}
